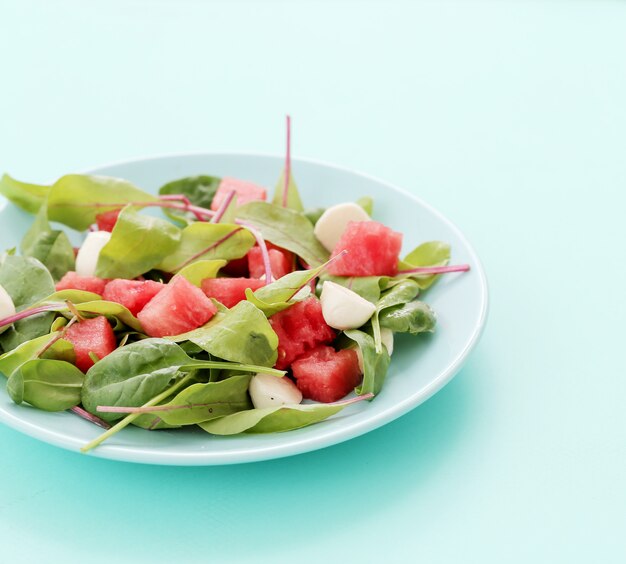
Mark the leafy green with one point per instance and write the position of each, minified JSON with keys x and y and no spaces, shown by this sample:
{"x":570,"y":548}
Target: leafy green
{"x":375,"y":365}
{"x":51,"y":385}
{"x":138,"y":243}
{"x":432,"y":253}
{"x":271,"y":419}
{"x":202,"y":402}
{"x":285,"y":228}
{"x":76,"y":199}
{"x":313,"y":214}
{"x":294,"y":201}
{"x":242,"y":334}
{"x":29,"y":197}
{"x":368,"y":287}
{"x":199,"y":190}
{"x":202,"y":241}
{"x":367,"y":203}
{"x":26,"y":280}
{"x":50,"y":246}
{"x":413,"y":317}
{"x":13,"y":359}
{"x":198,"y":271}
{"x":401,"y":292}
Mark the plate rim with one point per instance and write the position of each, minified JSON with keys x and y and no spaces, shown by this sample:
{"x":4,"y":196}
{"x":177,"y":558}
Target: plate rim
{"x":151,"y":455}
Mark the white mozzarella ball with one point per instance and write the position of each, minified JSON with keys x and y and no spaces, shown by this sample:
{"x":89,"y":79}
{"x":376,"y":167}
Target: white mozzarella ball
{"x":333,"y":222}
{"x":267,"y":390}
{"x":7,"y":307}
{"x":87,"y":257}
{"x":344,"y":309}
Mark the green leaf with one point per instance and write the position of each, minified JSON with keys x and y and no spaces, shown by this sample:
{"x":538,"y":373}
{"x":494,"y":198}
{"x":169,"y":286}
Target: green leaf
{"x":26,"y":280}
{"x":293,"y":196}
{"x":51,"y":385}
{"x":199,"y":190}
{"x":242,"y":334}
{"x":432,"y":253}
{"x":76,"y":199}
{"x":29,"y":197}
{"x":313,"y":214}
{"x":401,"y":292}
{"x":285,"y":228}
{"x":50,"y":246}
{"x":60,"y":350}
{"x":203,"y":241}
{"x":132,"y":375}
{"x":202,"y":402}
{"x":198,"y":271}
{"x":368,"y":287}
{"x":138,"y":243}
{"x":375,"y":365}
{"x":272,"y":419}
{"x":414,"y":317}
{"x":367,"y":203}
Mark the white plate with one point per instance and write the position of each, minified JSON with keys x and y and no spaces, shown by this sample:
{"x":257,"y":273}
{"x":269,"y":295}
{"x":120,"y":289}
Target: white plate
{"x":421,"y":365}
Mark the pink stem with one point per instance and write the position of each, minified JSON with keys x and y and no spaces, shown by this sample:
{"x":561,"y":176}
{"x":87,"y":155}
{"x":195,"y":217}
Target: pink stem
{"x":264,"y":252}
{"x":223,"y":207}
{"x":209,"y":248}
{"x":185,"y":200}
{"x":89,"y":417}
{"x":287,"y":164}
{"x":26,"y":313}
{"x":436,"y":269}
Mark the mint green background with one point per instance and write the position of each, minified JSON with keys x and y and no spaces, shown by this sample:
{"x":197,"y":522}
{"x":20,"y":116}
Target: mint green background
{"x":510,"y":118}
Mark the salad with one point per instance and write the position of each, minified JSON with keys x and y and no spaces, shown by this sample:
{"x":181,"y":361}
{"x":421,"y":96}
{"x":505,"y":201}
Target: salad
{"x":227,"y":311}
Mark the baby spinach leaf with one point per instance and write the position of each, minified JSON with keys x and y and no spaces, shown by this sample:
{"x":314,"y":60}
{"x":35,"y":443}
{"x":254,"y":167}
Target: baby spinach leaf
{"x":50,"y":246}
{"x":242,"y":334}
{"x":26,"y":280}
{"x":278,"y":295}
{"x":138,"y":243}
{"x":375,"y":365}
{"x":29,"y":197}
{"x":109,"y":309}
{"x":367,"y":203}
{"x":313,"y":214}
{"x":12,"y":360}
{"x":271,"y":419}
{"x":286,"y":228}
{"x":132,"y":375}
{"x":51,"y":385}
{"x":413,"y":317}
{"x":402,"y":292}
{"x":76,"y":199}
{"x":202,"y":402}
{"x":198,"y":271}
{"x":368,"y":287}
{"x":199,"y":190}
{"x":432,"y":253}
{"x":202,"y":241}
{"x":74,"y":296}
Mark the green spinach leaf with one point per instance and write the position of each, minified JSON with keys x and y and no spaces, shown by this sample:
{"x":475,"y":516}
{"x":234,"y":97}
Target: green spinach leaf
{"x":198,"y":271}
{"x":199,"y":190}
{"x":401,"y":293}
{"x":432,"y":253}
{"x":293,"y":195}
{"x":413,"y":317}
{"x":29,"y":197}
{"x":375,"y":365}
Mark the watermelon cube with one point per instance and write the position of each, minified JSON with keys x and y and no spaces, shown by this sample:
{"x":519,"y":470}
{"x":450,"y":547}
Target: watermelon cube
{"x":177,"y":308}
{"x":91,"y":336}
{"x":281,"y":262}
{"x":132,"y":294}
{"x":300,"y":328}
{"x":229,"y":291}
{"x":244,"y":190}
{"x":373,"y":250}
{"x":327,"y":375}
{"x":72,"y":281}
{"x":106,"y":221}
{"x":237,"y":267}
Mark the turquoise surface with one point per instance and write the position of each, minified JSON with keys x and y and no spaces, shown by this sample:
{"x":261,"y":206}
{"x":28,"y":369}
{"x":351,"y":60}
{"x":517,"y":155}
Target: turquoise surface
{"x":507,"y":117}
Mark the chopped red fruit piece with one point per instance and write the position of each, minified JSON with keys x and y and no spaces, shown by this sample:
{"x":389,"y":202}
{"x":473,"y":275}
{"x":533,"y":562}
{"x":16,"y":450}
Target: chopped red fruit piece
{"x":244,"y":190}
{"x":72,"y":281}
{"x":177,"y":308}
{"x":326,"y":375}
{"x":373,"y":250}
{"x":91,"y":336}
{"x":300,"y":328}
{"x":229,"y":291}
{"x":132,"y":294}
{"x":106,"y":221}
{"x":280,"y":262}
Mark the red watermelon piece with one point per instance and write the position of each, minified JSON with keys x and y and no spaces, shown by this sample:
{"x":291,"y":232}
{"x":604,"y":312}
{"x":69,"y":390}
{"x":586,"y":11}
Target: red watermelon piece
{"x":132,"y":294}
{"x":91,"y":335}
{"x":177,"y":308}
{"x":373,"y":250}
{"x":72,"y":281}
{"x":106,"y":221}
{"x":244,"y":190}
{"x":300,"y":328}
{"x":229,"y":291}
{"x":327,"y":375}
{"x":281,"y":262}
{"x":237,"y":267}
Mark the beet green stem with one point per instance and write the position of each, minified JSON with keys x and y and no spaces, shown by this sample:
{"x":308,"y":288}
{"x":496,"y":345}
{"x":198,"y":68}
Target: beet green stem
{"x":436,"y":269}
